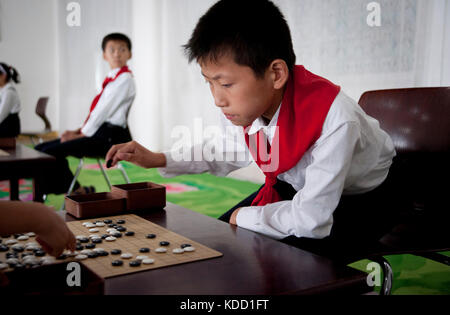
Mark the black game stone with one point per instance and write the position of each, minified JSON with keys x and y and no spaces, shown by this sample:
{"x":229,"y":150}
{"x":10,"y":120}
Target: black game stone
{"x":135,"y":263}
{"x":84,"y":240}
{"x":151,"y":235}
{"x":11,"y":255}
{"x":121,"y":221}
{"x":103,"y":253}
{"x":112,"y":225}
{"x":92,"y":255}
{"x":107,"y":221}
{"x":79,"y":247}
{"x":39,"y":253}
{"x":62,"y":257}
{"x":116,"y":252}
{"x":96,"y":240}
{"x":117,"y":235}
{"x":90,"y":246}
{"x":117,"y":263}
{"x":3,"y":248}
{"x":164,"y":243}
{"x":18,"y":249}
{"x":185,"y":245}
{"x":121,"y":228}
{"x":104,"y":236}
{"x":109,"y":163}
{"x":144,"y":250}
{"x":129,"y":233}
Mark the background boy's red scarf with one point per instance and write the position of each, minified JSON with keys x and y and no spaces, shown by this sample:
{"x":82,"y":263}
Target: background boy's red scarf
{"x":105,"y":83}
{"x":305,"y":106}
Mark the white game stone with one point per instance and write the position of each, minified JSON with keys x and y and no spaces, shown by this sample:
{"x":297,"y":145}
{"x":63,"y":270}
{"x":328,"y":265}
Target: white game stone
{"x":126,"y":255}
{"x":161,"y":250}
{"x":99,"y":249}
{"x":81,"y":257}
{"x":110,"y":239}
{"x":141,"y":257}
{"x":178,"y":251}
{"x":31,"y":234}
{"x":80,"y":237}
{"x":189,"y":249}
{"x":86,"y":251}
{"x":32,"y":248}
{"x":100,"y":224}
{"x":148,"y":261}
{"x":3,"y":266}
{"x":90,"y":225}
{"x":94,"y":230}
{"x":23,"y":238}
{"x":10,"y":242}
{"x":12,"y":261}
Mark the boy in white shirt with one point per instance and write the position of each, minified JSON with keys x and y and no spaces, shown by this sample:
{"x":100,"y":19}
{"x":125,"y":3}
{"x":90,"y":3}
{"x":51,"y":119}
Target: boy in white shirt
{"x":326,"y":162}
{"x":9,"y":102}
{"x":107,"y":121}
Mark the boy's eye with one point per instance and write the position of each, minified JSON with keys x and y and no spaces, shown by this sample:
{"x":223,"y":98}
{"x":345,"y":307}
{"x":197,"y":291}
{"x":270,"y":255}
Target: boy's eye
{"x":227,"y":85}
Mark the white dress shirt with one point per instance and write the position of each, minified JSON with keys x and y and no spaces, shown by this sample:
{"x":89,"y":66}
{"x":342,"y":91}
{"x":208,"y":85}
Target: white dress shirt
{"x":9,"y":101}
{"x":352,"y":156}
{"x":113,"y":105}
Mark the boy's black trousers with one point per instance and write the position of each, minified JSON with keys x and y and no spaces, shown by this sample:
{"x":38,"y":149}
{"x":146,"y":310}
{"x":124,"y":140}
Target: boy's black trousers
{"x":58,"y":182}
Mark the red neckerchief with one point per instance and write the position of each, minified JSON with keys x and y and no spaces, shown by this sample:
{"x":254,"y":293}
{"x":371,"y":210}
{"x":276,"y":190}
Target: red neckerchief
{"x":105,"y":83}
{"x":305,"y":106}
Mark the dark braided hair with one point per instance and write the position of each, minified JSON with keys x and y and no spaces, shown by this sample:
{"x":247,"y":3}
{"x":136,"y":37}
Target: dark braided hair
{"x":11,"y":73}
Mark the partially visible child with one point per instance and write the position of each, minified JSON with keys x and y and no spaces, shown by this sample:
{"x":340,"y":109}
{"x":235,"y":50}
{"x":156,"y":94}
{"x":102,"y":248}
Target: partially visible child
{"x":107,"y":121}
{"x":51,"y":230}
{"x":9,"y":102}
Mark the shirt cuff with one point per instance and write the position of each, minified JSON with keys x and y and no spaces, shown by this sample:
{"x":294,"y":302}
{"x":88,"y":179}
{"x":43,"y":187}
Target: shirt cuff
{"x":249,"y":218}
{"x":173,"y":168}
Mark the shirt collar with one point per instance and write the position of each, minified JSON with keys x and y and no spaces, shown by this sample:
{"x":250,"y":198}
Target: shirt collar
{"x":113,"y":72}
{"x":259,"y":123}
{"x":7,"y":85}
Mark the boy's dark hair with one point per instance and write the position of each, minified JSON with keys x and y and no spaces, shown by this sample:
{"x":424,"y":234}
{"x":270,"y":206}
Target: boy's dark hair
{"x":116,"y":36}
{"x":11,"y":73}
{"x":254,"y":31}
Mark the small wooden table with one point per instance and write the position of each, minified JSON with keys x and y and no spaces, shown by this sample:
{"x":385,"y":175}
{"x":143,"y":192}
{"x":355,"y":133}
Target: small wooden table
{"x":24,"y":162}
{"x":252,"y":264}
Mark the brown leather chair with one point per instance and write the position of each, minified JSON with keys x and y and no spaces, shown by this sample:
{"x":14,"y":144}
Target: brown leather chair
{"x":418,"y":121}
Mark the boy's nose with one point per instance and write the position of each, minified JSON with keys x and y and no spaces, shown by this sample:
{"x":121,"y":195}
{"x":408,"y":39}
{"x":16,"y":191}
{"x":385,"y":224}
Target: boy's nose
{"x":219,"y":100}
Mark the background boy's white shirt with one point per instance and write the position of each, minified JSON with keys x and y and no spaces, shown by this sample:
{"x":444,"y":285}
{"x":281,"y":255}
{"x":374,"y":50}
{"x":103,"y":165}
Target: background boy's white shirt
{"x":352,"y":156}
{"x":9,"y":101}
{"x":113,"y":105}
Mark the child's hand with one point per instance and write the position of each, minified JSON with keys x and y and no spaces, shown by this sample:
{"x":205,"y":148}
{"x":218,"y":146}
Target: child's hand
{"x":135,"y":153}
{"x":234,"y":215}
{"x":53,"y":233}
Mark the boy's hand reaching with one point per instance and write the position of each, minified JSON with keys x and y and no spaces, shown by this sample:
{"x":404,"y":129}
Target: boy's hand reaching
{"x":135,"y":153}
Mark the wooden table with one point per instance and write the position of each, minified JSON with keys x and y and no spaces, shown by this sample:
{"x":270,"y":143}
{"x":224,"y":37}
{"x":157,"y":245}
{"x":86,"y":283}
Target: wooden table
{"x":252,"y":264}
{"x":24,"y":162}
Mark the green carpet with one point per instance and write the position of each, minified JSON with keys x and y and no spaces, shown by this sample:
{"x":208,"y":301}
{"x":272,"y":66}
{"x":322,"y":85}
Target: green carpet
{"x":212,"y":196}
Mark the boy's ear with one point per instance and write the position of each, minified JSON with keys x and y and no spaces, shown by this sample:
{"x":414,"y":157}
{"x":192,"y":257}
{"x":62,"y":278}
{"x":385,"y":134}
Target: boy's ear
{"x":279,"y":73}
{"x":104,"y":56}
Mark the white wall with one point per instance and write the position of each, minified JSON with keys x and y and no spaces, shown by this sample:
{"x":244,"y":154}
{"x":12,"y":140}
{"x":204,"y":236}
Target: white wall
{"x":28,"y":42}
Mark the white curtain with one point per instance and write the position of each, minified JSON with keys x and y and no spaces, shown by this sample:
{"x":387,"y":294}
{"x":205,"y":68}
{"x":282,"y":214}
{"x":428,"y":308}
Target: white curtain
{"x":80,"y":62}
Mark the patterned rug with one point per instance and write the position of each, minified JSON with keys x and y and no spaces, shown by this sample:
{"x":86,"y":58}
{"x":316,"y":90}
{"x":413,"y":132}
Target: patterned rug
{"x":212,"y":196}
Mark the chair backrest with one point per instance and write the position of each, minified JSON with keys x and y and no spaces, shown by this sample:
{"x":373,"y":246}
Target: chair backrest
{"x":41,"y":108}
{"x":418,"y":121}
